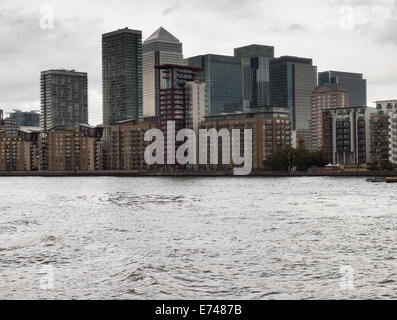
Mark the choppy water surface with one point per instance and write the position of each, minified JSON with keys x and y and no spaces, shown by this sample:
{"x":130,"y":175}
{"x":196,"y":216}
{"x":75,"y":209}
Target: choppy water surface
{"x":225,"y":238}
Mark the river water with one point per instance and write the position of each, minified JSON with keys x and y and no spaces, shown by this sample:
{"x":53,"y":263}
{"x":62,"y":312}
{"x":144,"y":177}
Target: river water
{"x":197,"y":238}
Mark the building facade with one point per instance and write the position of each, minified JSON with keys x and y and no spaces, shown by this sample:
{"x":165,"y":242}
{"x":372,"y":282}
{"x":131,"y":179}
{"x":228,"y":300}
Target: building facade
{"x":64,"y":149}
{"x":122,"y":76}
{"x":10,"y":126}
{"x":64,"y":99}
{"x":160,"y":48}
{"x":26,"y":118}
{"x":347,"y":135}
{"x":223,"y":76}
{"x":255,"y":61}
{"x":128,"y":145}
{"x":385,"y":133}
{"x":325,"y":97}
{"x":354,"y":83}
{"x":271,"y":132}
{"x":15,"y":153}
{"x":292,"y":81}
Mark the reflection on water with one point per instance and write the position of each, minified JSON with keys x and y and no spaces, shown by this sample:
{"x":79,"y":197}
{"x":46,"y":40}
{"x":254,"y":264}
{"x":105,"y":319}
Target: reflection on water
{"x":225,"y":238}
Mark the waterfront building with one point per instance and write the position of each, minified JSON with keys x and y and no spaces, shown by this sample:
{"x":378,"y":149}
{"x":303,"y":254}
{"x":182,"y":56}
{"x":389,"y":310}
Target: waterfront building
{"x":354,"y":83}
{"x":160,"y":48}
{"x":31,"y":134}
{"x":325,"y":97}
{"x":127,"y":147}
{"x":255,"y":61}
{"x":292,"y":80}
{"x":385,"y":134}
{"x":64,"y":99}
{"x":271,"y":132}
{"x":15,"y":153}
{"x":26,"y":118}
{"x":63,"y":149}
{"x":122,"y":76}
{"x":223,"y":76}
{"x":381,"y":141}
{"x":180,"y":95}
{"x":347,"y":135}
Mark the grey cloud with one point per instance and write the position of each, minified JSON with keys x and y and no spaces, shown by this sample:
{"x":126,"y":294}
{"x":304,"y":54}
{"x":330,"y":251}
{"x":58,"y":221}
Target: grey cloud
{"x":26,"y":50}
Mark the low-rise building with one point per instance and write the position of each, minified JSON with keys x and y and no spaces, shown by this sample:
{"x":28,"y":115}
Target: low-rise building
{"x":14,"y":153}
{"x":127,"y":145}
{"x":271,"y":131}
{"x":67,"y":150}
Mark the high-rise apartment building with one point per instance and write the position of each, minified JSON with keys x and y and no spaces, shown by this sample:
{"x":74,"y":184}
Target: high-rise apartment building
{"x":347,"y":135}
{"x":325,"y":97}
{"x":175,"y":99}
{"x":256,"y":73}
{"x":354,"y":83}
{"x":122,"y":76}
{"x":223,"y":76}
{"x":26,"y":118}
{"x":64,"y":99}
{"x":384,"y":135}
{"x":160,"y":48}
{"x":292,"y":80}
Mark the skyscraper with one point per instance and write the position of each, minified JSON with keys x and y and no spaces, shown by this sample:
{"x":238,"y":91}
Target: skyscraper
{"x":64,"y":99}
{"x":256,"y":73}
{"x":160,"y":48}
{"x":122,"y":75}
{"x":292,"y":80}
{"x":354,"y":83}
{"x":223,"y":76}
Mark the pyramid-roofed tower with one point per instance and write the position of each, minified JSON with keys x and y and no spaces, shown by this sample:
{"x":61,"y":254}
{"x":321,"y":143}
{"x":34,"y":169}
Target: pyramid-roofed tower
{"x":161,"y":35}
{"x":160,"y":48}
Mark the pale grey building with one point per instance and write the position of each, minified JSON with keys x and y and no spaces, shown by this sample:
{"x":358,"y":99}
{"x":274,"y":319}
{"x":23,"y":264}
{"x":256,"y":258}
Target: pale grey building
{"x":158,"y":49}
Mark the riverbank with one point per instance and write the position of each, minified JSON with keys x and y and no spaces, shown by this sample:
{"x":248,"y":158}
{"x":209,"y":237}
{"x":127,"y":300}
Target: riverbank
{"x":219,"y":173}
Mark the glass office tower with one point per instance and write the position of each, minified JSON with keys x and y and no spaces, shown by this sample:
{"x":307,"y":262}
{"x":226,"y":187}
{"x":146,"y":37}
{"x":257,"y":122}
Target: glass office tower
{"x":256,"y":73}
{"x":223,"y":76}
{"x":292,"y":81}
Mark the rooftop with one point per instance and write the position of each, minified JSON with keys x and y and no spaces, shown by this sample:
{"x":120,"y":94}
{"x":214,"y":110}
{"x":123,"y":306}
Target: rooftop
{"x":161,"y":35}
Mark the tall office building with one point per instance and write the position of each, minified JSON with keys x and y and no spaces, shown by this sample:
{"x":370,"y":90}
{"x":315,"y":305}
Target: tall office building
{"x":292,"y":80}
{"x":223,"y":76}
{"x":256,"y":73}
{"x":325,"y":97}
{"x":64,"y":99}
{"x":354,"y":83}
{"x":122,"y":76}
{"x":160,"y":48}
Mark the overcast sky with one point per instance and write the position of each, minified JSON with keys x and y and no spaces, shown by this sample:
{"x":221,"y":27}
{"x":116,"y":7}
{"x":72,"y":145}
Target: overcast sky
{"x":346,"y":35}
